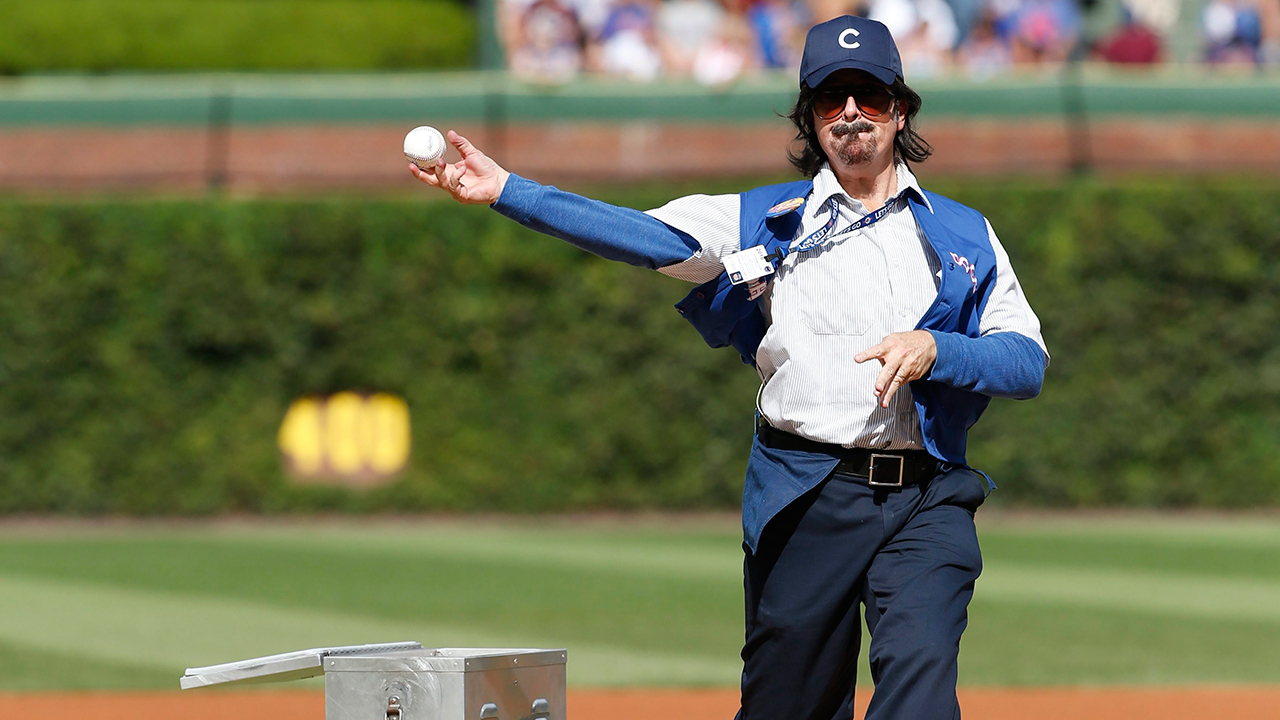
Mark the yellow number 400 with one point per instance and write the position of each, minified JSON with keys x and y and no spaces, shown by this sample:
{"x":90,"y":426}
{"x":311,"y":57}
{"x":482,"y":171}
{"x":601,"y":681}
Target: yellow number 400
{"x":348,"y":437}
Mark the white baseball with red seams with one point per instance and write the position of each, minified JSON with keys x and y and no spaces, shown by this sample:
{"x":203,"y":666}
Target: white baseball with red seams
{"x":423,"y":146}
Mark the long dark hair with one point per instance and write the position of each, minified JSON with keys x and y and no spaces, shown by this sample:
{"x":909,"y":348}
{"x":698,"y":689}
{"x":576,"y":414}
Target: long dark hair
{"x":907,"y":144}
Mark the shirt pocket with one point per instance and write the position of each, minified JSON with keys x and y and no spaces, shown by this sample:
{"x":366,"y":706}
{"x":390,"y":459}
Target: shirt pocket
{"x":834,"y":298}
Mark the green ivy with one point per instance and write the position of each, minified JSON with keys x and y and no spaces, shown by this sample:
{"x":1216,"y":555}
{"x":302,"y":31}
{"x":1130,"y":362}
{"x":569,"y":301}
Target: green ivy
{"x":149,"y":349}
{"x":195,"y":35}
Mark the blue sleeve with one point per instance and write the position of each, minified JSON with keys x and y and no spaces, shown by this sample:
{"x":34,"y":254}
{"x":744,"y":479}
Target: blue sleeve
{"x":612,"y":232}
{"x":1003,"y":364}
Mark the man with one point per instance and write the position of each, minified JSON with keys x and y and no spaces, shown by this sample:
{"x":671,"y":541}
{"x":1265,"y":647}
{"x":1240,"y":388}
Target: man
{"x":857,"y":490}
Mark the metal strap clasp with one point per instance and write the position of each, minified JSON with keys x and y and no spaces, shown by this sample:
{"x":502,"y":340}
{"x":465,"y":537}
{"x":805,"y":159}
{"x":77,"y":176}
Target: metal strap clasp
{"x":889,"y":479}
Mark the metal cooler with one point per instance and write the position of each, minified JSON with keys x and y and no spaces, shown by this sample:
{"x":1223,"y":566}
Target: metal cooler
{"x":405,"y":681}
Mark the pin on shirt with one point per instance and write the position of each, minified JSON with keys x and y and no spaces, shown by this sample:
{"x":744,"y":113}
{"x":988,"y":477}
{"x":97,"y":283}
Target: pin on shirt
{"x":784,"y":207}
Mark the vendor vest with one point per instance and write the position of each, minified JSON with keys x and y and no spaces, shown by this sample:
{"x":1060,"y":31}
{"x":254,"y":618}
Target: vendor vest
{"x":725,"y":315}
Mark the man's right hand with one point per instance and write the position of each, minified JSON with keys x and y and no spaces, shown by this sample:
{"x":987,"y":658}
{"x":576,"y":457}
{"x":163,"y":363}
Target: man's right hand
{"x":475,"y":179}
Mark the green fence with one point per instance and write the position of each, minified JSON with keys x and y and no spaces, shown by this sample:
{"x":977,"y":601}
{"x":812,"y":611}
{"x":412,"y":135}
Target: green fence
{"x":495,"y":97}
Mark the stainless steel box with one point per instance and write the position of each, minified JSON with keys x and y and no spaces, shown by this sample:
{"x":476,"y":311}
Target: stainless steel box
{"x":446,"y":684}
{"x":400,"y":682}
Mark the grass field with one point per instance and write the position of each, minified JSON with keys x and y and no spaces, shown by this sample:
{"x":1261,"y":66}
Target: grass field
{"x":1062,"y":601}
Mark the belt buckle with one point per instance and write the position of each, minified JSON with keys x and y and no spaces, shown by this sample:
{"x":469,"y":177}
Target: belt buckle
{"x":871,"y":471}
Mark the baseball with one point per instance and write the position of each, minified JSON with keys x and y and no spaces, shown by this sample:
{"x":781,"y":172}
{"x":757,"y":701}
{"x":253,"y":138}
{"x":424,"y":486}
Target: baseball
{"x":423,"y":146}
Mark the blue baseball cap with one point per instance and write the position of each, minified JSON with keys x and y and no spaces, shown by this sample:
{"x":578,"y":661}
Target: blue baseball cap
{"x":849,"y":42}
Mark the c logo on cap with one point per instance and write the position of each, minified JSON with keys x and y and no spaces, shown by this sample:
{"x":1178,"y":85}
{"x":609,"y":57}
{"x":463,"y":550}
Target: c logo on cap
{"x":844,"y":43}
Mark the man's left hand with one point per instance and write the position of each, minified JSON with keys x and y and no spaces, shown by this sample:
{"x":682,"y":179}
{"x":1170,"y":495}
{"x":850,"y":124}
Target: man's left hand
{"x":905,"y":357}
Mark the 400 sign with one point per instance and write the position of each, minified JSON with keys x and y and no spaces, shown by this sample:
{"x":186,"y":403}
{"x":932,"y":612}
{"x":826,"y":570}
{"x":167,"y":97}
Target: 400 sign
{"x":347,"y":438}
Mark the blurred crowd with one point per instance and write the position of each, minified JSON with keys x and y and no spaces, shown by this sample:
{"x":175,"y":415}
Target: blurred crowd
{"x":717,"y":41}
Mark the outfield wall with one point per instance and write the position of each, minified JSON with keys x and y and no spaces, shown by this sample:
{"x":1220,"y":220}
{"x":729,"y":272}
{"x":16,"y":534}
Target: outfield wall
{"x":152,"y":347}
{"x":306,"y":131}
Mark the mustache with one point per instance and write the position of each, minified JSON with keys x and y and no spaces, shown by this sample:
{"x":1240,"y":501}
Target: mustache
{"x":842,"y":129}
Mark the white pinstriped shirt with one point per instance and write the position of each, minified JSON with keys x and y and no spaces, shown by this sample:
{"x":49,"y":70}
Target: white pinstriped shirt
{"x":827,"y":305}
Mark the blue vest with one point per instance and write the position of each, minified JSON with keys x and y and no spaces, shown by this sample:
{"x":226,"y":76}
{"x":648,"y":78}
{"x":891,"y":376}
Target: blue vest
{"x":724,"y":315}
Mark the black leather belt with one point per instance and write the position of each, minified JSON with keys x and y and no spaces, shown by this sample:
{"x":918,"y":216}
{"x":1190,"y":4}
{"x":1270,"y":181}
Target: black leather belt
{"x":879,"y":468}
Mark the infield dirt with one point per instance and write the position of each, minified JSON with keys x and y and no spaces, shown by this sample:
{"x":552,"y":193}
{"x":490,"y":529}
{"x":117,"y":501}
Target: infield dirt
{"x":1237,"y":703}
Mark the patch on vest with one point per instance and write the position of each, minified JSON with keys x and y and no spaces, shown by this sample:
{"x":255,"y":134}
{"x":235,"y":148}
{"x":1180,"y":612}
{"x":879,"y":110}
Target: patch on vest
{"x":756,"y":288}
{"x":970,"y":269}
{"x":784,"y":207}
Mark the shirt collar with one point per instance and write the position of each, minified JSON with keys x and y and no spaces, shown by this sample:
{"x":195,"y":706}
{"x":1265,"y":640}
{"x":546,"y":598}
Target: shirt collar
{"x":825,"y":185}
{"x":907,"y":181}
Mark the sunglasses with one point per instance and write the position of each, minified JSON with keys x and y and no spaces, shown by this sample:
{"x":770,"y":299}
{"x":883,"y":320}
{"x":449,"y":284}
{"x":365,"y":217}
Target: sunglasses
{"x":871,"y":100}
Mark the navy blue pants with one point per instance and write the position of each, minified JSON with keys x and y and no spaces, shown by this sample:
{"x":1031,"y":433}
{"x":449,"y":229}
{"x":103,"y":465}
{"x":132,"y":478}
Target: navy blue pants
{"x":909,"y":556}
